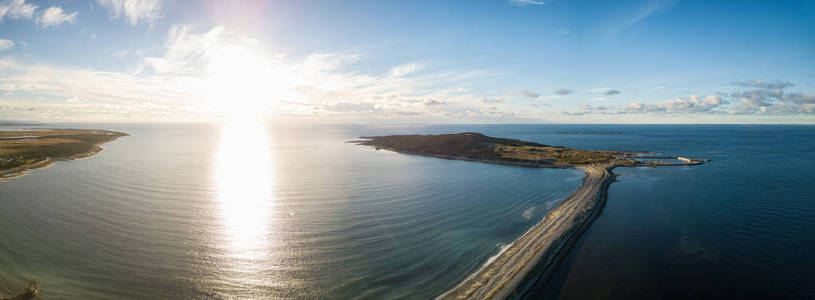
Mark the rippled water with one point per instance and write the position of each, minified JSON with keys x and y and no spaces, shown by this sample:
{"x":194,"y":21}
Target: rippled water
{"x":249,"y":211}
{"x":204,"y":211}
{"x":740,"y":227}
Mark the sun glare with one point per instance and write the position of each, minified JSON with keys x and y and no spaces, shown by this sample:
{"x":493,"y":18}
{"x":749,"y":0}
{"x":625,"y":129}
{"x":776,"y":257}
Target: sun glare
{"x":240,"y":81}
{"x":244,"y":183}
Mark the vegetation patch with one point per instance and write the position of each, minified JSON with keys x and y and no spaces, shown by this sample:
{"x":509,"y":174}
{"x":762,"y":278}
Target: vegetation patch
{"x":19,"y":149}
{"x":476,"y":146}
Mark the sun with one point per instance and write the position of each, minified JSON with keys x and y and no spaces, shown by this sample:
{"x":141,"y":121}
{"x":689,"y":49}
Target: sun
{"x":240,"y":81}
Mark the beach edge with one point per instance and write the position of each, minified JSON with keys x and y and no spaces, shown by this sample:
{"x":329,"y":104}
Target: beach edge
{"x":517,"y":268}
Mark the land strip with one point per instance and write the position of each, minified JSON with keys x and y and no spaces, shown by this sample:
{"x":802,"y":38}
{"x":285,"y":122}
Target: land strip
{"x":23,"y":150}
{"x":532,"y":257}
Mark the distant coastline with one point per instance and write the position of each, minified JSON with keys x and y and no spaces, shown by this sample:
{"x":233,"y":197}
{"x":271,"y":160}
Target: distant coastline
{"x":24,"y":150}
{"x":589,"y":132}
{"x":531,"y":258}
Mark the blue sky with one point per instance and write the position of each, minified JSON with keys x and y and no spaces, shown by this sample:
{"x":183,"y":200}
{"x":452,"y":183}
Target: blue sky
{"x":409,"y":61}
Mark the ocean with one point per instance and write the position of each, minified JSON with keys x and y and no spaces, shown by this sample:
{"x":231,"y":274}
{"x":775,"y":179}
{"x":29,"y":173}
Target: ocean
{"x":251,"y":210}
{"x":739,"y":227}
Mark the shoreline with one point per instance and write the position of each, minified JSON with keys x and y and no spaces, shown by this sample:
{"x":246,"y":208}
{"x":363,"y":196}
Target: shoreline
{"x":531,"y":258}
{"x":22,"y":170}
{"x":42,"y":164}
{"x":31,"y":291}
{"x":538,"y":250}
{"x":486,"y":161}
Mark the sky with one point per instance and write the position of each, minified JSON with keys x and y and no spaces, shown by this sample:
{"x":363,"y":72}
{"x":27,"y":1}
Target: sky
{"x":500,"y":61}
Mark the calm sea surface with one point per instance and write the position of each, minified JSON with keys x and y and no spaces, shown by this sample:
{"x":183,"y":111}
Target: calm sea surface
{"x":740,"y":227}
{"x":246,"y":211}
{"x":253,"y":211}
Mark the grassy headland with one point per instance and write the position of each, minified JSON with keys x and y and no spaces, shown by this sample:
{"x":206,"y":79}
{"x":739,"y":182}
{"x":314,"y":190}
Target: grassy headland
{"x":530,"y":259}
{"x":27,"y":149}
{"x":476,"y":146}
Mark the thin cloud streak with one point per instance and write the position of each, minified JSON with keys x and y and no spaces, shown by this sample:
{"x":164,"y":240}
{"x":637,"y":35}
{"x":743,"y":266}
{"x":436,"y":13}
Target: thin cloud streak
{"x":526,"y":2}
{"x":6,"y":45}
{"x":136,"y":11}
{"x":649,"y":9}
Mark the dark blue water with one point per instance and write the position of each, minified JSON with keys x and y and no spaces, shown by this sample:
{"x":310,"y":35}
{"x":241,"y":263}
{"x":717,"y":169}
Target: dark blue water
{"x":205,"y":211}
{"x":742,"y":226}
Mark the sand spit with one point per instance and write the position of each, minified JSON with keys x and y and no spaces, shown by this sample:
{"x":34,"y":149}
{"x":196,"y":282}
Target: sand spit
{"x":530,"y":259}
{"x":540,"y":248}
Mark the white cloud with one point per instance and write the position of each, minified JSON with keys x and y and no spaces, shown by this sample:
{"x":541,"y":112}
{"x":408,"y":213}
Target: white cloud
{"x":54,"y":16}
{"x":764,"y":101}
{"x":187,"y":52}
{"x":103,"y":87}
{"x":526,"y":2}
{"x":405,"y":69}
{"x":16,"y":9}
{"x":203,"y":73}
{"x":650,"y":8}
{"x":135,"y":11}
{"x":773,"y":101}
{"x":6,"y":45}
{"x":692,"y":104}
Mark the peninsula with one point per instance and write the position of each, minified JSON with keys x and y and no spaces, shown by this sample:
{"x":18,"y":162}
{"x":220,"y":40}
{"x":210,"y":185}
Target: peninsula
{"x":531,"y":258}
{"x":23,"y":150}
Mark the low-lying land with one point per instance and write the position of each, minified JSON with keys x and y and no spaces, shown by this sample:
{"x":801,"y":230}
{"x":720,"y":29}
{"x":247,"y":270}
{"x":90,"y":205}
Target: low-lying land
{"x":532,"y":257}
{"x":478,"y":147}
{"x":23,"y":150}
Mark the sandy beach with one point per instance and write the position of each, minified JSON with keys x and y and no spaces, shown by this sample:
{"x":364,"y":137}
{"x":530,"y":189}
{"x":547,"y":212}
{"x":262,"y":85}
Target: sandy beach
{"x":538,"y":250}
{"x":530,"y":258}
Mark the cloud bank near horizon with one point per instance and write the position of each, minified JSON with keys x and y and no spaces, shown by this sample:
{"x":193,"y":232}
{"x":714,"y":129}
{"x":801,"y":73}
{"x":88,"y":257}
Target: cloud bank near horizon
{"x":141,"y":60}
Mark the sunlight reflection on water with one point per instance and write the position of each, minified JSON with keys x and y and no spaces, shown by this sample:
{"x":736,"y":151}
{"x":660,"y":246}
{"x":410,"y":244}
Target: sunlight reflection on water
{"x":244,"y":182}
